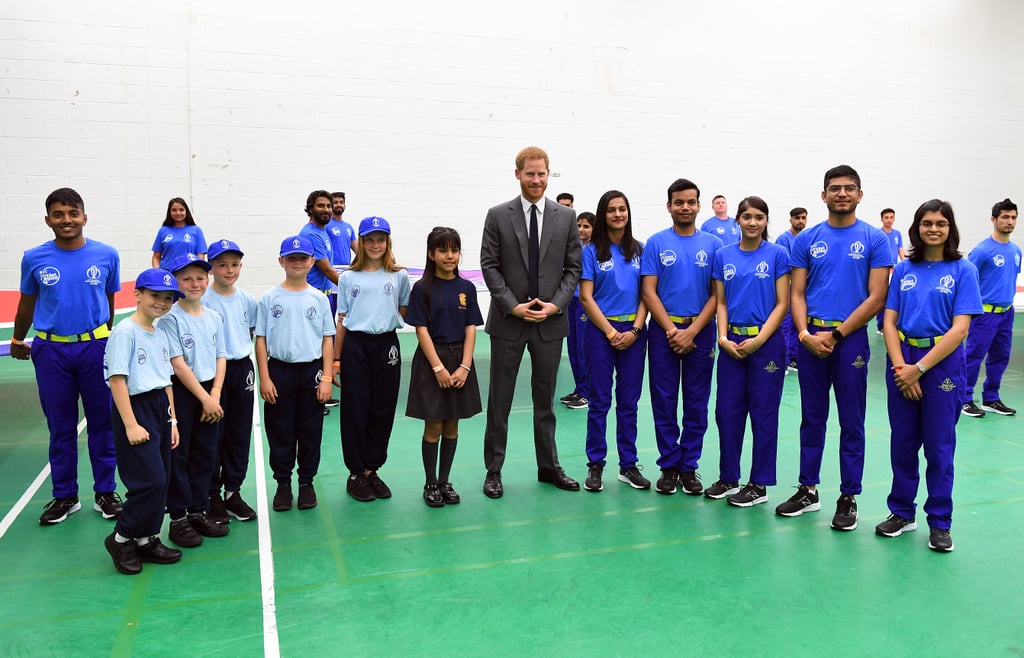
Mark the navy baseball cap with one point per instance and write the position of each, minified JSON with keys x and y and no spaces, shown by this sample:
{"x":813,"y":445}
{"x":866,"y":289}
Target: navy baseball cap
{"x":158,"y":280}
{"x":219,"y":247}
{"x":296,"y":245}
{"x":181,"y":262}
{"x":372,"y":225}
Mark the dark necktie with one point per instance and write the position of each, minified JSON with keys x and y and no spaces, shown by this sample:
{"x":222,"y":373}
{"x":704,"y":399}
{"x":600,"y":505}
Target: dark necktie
{"x":533,"y":284}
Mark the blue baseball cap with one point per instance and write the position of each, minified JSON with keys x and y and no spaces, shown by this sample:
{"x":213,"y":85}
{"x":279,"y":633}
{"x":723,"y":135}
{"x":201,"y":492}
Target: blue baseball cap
{"x":296,"y":245}
{"x":372,"y":225}
{"x":181,"y":262}
{"x":219,"y":247}
{"x":158,"y":280}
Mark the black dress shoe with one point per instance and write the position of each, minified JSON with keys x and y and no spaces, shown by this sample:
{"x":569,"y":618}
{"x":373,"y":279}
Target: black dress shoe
{"x":492,"y":485}
{"x":558,"y":478}
{"x":126,"y":559}
{"x":155,"y":551}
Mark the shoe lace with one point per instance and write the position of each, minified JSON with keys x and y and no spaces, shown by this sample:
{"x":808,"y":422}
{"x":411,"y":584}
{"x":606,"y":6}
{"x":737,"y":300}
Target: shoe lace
{"x":57,"y":502}
{"x":112,"y":497}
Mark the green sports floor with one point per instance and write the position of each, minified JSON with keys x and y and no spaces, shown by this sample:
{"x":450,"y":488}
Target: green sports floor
{"x":540,"y":572}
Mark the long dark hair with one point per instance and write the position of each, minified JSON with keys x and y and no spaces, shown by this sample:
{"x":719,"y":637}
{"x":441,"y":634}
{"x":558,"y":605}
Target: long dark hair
{"x":189,"y":220}
{"x":950,"y":249}
{"x":440,"y":237}
{"x":758,"y":203}
{"x":599,"y":237}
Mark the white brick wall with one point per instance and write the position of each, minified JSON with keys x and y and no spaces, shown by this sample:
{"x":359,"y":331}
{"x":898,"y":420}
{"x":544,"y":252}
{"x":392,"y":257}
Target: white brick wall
{"x":416,"y":110}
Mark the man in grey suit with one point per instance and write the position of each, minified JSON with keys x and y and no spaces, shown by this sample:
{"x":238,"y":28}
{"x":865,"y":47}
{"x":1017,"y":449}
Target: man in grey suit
{"x":530,"y":258}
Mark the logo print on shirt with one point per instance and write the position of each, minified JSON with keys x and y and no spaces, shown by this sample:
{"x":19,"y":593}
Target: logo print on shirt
{"x":720,"y":230}
{"x":728,"y":271}
{"x":188,"y":238}
{"x":462,"y":301}
{"x":702,"y":259}
{"x":947,"y":385}
{"x":946,"y":284}
{"x":166,"y":355}
{"x":761,"y":270}
{"x":168,"y":237}
{"x":668,"y":257}
{"x":335,"y":231}
{"x":92,"y":275}
{"x":393,"y":356}
{"x":356,"y":291}
{"x":141,"y":357}
{"x":311,"y":313}
{"x":188,"y":341}
{"x":819,"y":249}
{"x":49,"y":276}
{"x":388,"y":288}
{"x":857,"y":250}
{"x":605,"y":265}
{"x":998,"y":260}
{"x":908,"y":282}
{"x":276,"y":311}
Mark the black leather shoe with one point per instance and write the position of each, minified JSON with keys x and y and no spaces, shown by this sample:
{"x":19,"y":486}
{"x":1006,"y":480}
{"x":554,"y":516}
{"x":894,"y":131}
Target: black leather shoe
{"x":155,"y":551}
{"x":307,"y":497}
{"x":558,"y":478}
{"x":432,"y":495}
{"x":448,"y":493}
{"x":207,"y":528}
{"x":492,"y":485}
{"x":125,"y":556}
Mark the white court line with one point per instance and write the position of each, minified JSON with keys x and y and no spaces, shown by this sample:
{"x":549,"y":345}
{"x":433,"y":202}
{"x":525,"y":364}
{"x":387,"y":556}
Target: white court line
{"x":29,"y":493}
{"x":271,"y":645}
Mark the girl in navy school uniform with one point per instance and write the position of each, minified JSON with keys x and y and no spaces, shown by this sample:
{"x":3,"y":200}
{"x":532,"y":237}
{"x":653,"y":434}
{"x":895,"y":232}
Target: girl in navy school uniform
{"x":615,"y":338}
{"x":933,"y":295}
{"x":751,"y":283}
{"x":372,"y":297}
{"x":178,"y":235}
{"x":443,"y":386}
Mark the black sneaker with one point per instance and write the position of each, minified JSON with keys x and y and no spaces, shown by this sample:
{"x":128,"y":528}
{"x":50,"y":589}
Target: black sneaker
{"x":125,"y":556}
{"x":579,"y":403}
{"x":218,"y":512}
{"x":940,"y":541}
{"x":972,"y":410}
{"x":380,"y":490}
{"x":997,"y":407}
{"x":566,"y":399}
{"x":283,"y":498}
{"x":58,"y":510}
{"x":238,"y":508}
{"x":359,"y":488}
{"x":668,"y":481}
{"x":108,"y":504}
{"x":593,"y":481}
{"x":333,"y":402}
{"x":722,"y":489}
{"x":183,"y":534}
{"x":327,"y":410}
{"x":804,"y":500}
{"x":205,"y":526}
{"x":154,"y":551}
{"x":633,"y":478}
{"x":894,"y":526}
{"x":845,"y":517}
{"x":432,"y":495}
{"x":690,"y":482}
{"x":307,"y":497}
{"x":749,"y":496}
{"x":448,"y":493}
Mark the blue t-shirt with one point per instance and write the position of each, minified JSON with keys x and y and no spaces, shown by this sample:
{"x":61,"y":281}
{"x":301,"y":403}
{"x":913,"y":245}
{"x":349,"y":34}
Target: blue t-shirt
{"x":239,"y":314}
{"x":927,"y":295}
{"x":341,"y":234}
{"x":143,"y":357}
{"x":998,"y":266}
{"x":322,"y":249}
{"x":838,"y":262}
{"x":370,"y":300}
{"x":786,"y":240}
{"x":453,"y":307}
{"x":895,"y":244}
{"x":71,"y":287}
{"x":616,"y":280}
{"x":197,"y":338}
{"x":683,"y":267}
{"x":294,"y":323}
{"x":727,"y":230}
{"x":749,"y":278}
{"x":172,"y":242}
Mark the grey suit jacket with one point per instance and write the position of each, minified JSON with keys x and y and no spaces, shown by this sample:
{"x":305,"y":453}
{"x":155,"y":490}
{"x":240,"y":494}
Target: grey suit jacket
{"x":504,"y":259}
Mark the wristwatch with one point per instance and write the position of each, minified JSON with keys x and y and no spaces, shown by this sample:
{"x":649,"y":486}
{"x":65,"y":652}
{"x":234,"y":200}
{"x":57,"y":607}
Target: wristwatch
{"x":921,"y":368}
{"x":635,"y":330}
{"x":837,"y":335}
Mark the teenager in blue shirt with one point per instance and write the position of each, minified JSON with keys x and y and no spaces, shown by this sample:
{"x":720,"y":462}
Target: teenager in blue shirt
{"x":67,"y":294}
{"x":178,"y":235}
{"x":895,"y":247}
{"x":797,"y":223}
{"x":991,"y":334}
{"x":751,"y":283}
{"x":614,"y":339}
{"x":840,"y":270}
{"x":931,"y":300}
{"x":675,"y":271}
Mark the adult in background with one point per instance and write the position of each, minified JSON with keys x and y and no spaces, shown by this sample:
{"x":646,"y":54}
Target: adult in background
{"x":888,"y":216}
{"x":530,"y":256}
{"x":67,"y":293}
{"x":721,"y":224}
{"x":797,"y":223}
